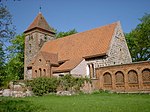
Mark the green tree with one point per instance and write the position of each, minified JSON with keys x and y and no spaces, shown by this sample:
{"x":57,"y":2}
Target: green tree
{"x":7,"y":30}
{"x":2,"y":65}
{"x":15,"y":65}
{"x":63,"y":34}
{"x":138,"y":40}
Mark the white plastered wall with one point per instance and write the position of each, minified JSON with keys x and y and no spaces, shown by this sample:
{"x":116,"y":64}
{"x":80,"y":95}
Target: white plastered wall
{"x":80,"y":69}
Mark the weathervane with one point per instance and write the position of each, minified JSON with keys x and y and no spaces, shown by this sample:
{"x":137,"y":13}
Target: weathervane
{"x":40,"y":8}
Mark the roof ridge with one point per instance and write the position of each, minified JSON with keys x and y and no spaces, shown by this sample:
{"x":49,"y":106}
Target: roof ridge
{"x":85,"y":31}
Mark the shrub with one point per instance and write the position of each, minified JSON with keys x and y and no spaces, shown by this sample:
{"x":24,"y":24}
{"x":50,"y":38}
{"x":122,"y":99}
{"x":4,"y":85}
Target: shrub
{"x":68,"y":82}
{"x":44,"y":85}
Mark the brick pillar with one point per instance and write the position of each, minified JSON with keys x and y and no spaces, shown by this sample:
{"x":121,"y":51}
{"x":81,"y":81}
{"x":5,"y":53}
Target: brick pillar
{"x":113,"y":81}
{"x":101,"y":81}
{"x":126,"y":81}
{"x":140,"y":81}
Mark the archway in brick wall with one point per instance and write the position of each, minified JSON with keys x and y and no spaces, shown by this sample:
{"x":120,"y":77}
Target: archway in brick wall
{"x":132,"y":77}
{"x":146,"y":76}
{"x":119,"y":77}
{"x":107,"y":83}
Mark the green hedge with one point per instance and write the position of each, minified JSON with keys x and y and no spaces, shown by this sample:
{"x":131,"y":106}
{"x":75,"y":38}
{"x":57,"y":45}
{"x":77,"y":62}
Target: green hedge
{"x":44,"y":85}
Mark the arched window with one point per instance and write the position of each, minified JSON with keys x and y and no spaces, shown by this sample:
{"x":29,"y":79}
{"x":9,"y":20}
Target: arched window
{"x":36,"y":73}
{"x":132,"y":76}
{"x":92,"y":70}
{"x":40,"y":72}
{"x":119,"y":77}
{"x":107,"y":78}
{"x":146,"y":75}
{"x":44,"y":72}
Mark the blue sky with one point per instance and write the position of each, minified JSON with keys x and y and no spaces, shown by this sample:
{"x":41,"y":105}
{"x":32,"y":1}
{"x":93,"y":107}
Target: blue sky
{"x":82,"y":15}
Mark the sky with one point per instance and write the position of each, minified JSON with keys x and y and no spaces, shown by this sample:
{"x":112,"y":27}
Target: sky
{"x":81,"y":15}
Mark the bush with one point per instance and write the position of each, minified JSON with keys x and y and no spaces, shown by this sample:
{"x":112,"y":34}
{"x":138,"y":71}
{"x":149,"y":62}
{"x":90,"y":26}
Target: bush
{"x":44,"y":85}
{"x":70,"y":83}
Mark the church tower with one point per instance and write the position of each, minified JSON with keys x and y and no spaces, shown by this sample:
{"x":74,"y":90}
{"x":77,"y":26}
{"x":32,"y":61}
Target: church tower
{"x":36,"y":34}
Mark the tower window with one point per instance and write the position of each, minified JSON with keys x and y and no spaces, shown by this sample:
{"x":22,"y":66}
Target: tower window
{"x":40,"y":60}
{"x":30,"y":37}
{"x":45,"y":37}
{"x":29,"y":46}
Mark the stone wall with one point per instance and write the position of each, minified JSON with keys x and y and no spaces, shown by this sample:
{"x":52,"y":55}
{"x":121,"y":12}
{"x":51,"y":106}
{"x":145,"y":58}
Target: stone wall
{"x":17,"y":90}
{"x":125,"y":77}
{"x":118,"y":52}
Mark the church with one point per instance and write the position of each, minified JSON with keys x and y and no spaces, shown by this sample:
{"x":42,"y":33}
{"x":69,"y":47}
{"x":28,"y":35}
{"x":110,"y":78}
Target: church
{"x":100,"y":54}
{"x":78,"y":54}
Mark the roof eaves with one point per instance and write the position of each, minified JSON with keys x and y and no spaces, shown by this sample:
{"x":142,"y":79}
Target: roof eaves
{"x":48,"y":31}
{"x":93,"y":56}
{"x":60,"y":71}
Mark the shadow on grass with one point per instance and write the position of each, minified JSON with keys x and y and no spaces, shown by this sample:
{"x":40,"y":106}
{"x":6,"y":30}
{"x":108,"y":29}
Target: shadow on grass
{"x":17,"y":105}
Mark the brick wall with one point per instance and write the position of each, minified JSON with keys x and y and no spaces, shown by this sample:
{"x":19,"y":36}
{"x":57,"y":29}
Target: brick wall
{"x":125,"y":77}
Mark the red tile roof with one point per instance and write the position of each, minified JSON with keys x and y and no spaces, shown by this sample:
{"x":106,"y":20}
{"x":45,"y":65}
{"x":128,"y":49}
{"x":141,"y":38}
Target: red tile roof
{"x":53,"y":58}
{"x":40,"y":23}
{"x":85,"y":44}
{"x":90,"y":43}
{"x":68,"y":65}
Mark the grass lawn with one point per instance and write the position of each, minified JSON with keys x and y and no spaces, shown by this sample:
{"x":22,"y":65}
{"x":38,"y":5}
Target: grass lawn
{"x":102,"y":102}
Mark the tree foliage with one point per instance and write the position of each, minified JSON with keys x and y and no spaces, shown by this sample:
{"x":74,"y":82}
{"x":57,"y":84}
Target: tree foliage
{"x":15,"y":65}
{"x":2,"y":65}
{"x":63,"y":34}
{"x":6,"y":27}
{"x":6,"y":33}
{"x":138,"y":40}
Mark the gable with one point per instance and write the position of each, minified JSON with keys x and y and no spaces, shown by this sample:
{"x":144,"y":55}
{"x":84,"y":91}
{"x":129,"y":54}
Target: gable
{"x":39,"y":60}
{"x":118,"y":52}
